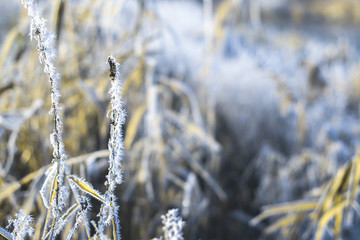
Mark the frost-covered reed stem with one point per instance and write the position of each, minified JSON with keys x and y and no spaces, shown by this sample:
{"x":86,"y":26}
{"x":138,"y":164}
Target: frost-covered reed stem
{"x":47,"y":53}
{"x":108,"y":212}
{"x":117,"y":119}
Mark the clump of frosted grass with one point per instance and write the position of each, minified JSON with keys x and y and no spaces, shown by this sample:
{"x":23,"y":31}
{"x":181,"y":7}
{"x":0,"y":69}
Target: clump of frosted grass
{"x":172,"y":225}
{"x":22,"y":226}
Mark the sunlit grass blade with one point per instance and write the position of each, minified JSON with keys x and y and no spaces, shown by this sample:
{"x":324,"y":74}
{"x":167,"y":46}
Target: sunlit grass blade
{"x":299,"y":206}
{"x":324,"y":220}
{"x":87,"y":188}
{"x":7,"y":45}
{"x":8,"y":189}
{"x":285,"y":221}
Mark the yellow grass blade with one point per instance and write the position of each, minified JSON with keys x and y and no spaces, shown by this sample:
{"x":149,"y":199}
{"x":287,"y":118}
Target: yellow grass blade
{"x":133,"y":126}
{"x":300,"y":206}
{"x":8,"y":189}
{"x":7,"y":45}
{"x":87,"y":188}
{"x":220,"y":15}
{"x":336,"y":184}
{"x":282,"y":222}
{"x":326,"y":218}
{"x":200,"y":133}
{"x":136,"y":76}
{"x":55,"y":12}
{"x":54,"y":189}
{"x":355,"y":178}
{"x":337,"y":225}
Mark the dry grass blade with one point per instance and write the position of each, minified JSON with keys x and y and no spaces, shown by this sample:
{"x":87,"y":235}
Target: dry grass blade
{"x":324,"y":220}
{"x":8,"y":189}
{"x":133,"y":126}
{"x":193,"y":129}
{"x":70,"y":211}
{"x":338,"y":195}
{"x":201,"y":170}
{"x":299,"y":206}
{"x":83,"y":158}
{"x":336,"y":184}
{"x":285,"y":221}
{"x":7,"y":45}
{"x":353,"y":181}
{"x":136,"y":76}
{"x":186,"y":91}
{"x":54,"y":188}
{"x":221,"y":12}
{"x":87,"y":188}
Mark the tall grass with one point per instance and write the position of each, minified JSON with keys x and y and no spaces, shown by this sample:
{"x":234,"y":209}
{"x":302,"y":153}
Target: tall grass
{"x":64,"y":194}
{"x":238,"y":115}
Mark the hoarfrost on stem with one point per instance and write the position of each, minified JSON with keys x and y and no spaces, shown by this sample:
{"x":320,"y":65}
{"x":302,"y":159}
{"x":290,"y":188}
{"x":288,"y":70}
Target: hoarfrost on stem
{"x":108,"y":212}
{"x":47,"y":53}
{"x":117,"y":119}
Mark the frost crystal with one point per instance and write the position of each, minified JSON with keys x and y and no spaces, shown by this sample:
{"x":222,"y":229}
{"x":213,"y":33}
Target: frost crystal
{"x":173,"y":225}
{"x":22,"y":226}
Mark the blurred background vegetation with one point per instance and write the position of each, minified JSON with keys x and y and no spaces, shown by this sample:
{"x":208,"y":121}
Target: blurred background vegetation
{"x":231,"y":105}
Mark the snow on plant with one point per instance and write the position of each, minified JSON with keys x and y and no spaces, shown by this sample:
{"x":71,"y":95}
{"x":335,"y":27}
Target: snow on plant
{"x":22,"y":226}
{"x":47,"y":53}
{"x":45,"y":40}
{"x":172,"y":225}
{"x":54,"y":192}
{"x":108,"y":212}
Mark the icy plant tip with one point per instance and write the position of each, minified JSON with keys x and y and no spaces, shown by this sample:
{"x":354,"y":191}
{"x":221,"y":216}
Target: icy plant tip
{"x":108,"y":212}
{"x":117,"y":119}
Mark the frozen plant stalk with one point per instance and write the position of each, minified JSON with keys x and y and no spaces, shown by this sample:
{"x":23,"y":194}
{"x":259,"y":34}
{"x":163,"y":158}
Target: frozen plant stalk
{"x":108,"y":212}
{"x":47,"y":53}
{"x":45,"y":41}
{"x":117,"y":119}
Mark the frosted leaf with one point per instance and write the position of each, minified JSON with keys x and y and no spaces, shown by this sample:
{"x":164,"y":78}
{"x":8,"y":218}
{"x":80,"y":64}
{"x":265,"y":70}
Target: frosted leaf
{"x":59,"y":225}
{"x":46,"y":188}
{"x":86,"y":187}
